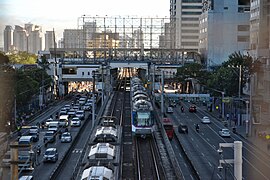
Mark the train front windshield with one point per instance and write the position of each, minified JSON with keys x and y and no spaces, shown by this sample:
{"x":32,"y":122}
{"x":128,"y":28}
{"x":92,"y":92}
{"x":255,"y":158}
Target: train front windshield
{"x":144,"y":119}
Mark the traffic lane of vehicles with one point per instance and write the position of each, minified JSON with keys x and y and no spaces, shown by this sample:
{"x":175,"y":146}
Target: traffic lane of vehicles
{"x":250,"y":157}
{"x":44,"y":170}
{"x":202,"y":155}
{"x":201,"y":140}
{"x":72,"y":161}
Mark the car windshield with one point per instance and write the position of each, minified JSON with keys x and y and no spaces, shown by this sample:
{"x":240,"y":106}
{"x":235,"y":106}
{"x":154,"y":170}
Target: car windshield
{"x":49,"y":152}
{"x":66,"y":135}
{"x":225,"y":131}
{"x":49,"y":134}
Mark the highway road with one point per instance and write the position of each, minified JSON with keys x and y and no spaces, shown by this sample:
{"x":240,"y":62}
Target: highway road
{"x":202,"y":148}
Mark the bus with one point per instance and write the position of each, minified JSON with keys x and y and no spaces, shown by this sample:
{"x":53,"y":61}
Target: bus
{"x":168,"y":126}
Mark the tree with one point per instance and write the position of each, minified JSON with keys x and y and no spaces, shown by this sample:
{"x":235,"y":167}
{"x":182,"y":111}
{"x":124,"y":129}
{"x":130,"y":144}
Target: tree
{"x":22,"y":57}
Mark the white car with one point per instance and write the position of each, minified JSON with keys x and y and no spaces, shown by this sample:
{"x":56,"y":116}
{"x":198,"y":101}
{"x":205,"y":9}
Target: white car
{"x":75,"y":121}
{"x":80,"y":114}
{"x":66,"y":137}
{"x":224,"y":133}
{"x":205,"y":120}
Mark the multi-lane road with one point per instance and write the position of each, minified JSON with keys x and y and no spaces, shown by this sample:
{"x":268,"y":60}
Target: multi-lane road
{"x":202,"y":147}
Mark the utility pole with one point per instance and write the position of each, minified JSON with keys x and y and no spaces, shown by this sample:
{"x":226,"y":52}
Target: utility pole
{"x":93,"y":99}
{"x":237,"y":161}
{"x":162,"y":94}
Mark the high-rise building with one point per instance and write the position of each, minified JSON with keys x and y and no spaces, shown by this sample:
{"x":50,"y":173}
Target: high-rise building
{"x":8,"y":38}
{"x":224,"y":29}
{"x":49,"y":40}
{"x":259,"y":28}
{"x":73,"y":38}
{"x":35,"y":40}
{"x":20,"y":39}
{"x":184,"y":15}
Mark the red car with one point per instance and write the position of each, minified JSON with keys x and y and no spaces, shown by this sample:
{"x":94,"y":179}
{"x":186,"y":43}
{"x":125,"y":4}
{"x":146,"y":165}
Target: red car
{"x":192,"y":108}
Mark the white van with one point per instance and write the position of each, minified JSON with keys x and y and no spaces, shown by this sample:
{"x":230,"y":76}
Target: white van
{"x":63,"y":120}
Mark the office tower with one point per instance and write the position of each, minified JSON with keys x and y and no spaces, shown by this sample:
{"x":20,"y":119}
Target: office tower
{"x":35,"y":40}
{"x":224,"y":29}
{"x":49,"y":40}
{"x":73,"y":38}
{"x":184,"y":15}
{"x":8,"y":38}
{"x":20,"y":38}
{"x":259,"y":28}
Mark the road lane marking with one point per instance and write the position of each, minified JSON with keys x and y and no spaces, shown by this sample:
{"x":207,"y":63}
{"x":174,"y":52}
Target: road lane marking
{"x":207,"y":139}
{"x":218,"y":176}
{"x":210,"y":164}
{"x":202,"y":154}
{"x":192,"y":139}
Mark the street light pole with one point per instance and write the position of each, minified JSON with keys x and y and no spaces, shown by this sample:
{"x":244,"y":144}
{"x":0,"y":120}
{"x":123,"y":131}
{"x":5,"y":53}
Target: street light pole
{"x":247,"y":118}
{"x":93,"y":100}
{"x":240,"y":79}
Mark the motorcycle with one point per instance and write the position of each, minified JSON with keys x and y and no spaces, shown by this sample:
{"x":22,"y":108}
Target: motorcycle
{"x":197,"y":127}
{"x":182,"y":109}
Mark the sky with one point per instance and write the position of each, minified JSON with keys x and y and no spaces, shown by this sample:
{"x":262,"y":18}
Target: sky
{"x":63,"y":14}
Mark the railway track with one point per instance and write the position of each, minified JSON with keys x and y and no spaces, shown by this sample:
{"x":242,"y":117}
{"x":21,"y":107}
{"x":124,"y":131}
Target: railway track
{"x":146,"y":159}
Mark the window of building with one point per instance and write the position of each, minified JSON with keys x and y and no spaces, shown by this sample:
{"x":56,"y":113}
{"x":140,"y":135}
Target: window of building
{"x":226,"y":8}
{"x":243,"y":27}
{"x":191,"y":7}
{"x":243,"y":38}
{"x":190,"y":43}
{"x":189,"y":19}
{"x":82,"y":73}
{"x":69,"y":71}
{"x":88,"y":73}
{"x":191,"y":13}
{"x":190,"y":37}
{"x":190,"y":25}
{"x":190,"y":31}
{"x":192,"y":1}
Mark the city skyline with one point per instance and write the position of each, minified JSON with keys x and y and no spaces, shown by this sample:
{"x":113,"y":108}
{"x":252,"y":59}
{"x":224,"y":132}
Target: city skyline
{"x":43,"y":13}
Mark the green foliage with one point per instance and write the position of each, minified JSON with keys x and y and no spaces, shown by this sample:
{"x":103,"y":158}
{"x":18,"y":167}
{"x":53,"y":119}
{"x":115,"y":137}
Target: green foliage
{"x":28,"y":83}
{"x":193,"y":70}
{"x":22,"y":58}
{"x":226,"y":78}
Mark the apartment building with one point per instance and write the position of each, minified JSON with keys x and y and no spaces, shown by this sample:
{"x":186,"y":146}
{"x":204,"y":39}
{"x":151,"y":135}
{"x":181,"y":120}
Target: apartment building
{"x":35,"y":40}
{"x":224,"y":29}
{"x":184,"y":15}
{"x":49,"y":40}
{"x":73,"y":38}
{"x":20,"y":40}
{"x":8,"y":38}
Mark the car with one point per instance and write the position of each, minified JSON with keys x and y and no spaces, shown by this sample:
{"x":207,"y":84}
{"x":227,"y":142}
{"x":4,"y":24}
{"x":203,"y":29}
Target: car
{"x":50,"y":155}
{"x":192,"y":108}
{"x":80,"y":114}
{"x":224,"y":133}
{"x":205,"y":120}
{"x":67,"y":107}
{"x":183,"y":128}
{"x":48,"y":121}
{"x":170,"y":109}
{"x":71,"y":112}
{"x":75,"y":121}
{"x":87,"y":106}
{"x":66,"y":137}
{"x":49,"y":136}
{"x":34,"y":134}
{"x":34,"y":128}
{"x":173,"y":103}
{"x":63,"y":111}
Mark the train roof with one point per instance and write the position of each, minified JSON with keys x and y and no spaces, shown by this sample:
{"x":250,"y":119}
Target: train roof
{"x":106,"y":130}
{"x":142,"y":105}
{"x":140,"y":96}
{"x":97,"y":173}
{"x":102,"y":151}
